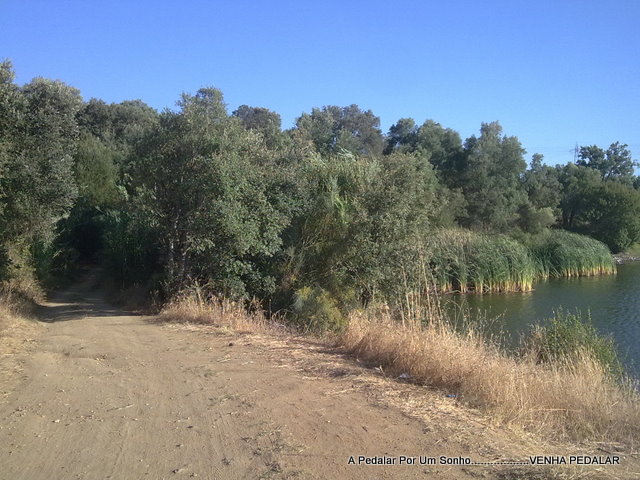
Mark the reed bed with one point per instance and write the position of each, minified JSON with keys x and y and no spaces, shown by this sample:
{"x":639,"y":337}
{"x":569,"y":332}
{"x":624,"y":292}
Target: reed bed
{"x":564,"y":254}
{"x":465,"y":261}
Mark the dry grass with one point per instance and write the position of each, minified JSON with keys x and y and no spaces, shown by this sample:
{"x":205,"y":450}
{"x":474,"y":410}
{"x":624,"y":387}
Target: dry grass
{"x":15,"y":329}
{"x":193,"y":307}
{"x":576,"y":400}
{"x":17,"y":304}
{"x":18,"y":330}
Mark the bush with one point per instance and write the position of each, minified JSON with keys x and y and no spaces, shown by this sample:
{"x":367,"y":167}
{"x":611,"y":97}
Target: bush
{"x":54,"y":263}
{"x":567,"y":336}
{"x":314,"y":309}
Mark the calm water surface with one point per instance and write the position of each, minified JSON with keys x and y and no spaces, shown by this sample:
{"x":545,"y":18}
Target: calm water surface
{"x":613,"y":302}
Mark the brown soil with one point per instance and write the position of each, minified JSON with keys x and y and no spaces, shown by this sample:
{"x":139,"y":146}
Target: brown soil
{"x":104,"y":394}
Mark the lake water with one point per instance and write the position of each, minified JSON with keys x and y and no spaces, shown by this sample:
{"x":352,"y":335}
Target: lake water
{"x":613,"y":302}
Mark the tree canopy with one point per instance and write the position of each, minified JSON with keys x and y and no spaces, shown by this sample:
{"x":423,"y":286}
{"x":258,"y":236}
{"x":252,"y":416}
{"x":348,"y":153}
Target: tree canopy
{"x":318,"y":218}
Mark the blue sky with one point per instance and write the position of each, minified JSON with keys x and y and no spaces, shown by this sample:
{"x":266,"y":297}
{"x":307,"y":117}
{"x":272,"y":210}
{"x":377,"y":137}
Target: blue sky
{"x":554,"y":73}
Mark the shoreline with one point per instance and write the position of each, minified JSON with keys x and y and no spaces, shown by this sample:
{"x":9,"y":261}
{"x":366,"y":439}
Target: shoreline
{"x":622,"y":258}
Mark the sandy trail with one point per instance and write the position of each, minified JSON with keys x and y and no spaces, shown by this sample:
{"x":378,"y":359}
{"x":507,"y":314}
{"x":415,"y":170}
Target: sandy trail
{"x":110,"y":395}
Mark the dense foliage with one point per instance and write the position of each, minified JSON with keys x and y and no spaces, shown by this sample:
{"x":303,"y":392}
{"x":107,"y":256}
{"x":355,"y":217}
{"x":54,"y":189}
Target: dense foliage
{"x":327,"y":215}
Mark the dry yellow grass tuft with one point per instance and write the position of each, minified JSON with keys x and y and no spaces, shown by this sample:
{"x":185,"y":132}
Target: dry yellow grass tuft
{"x":192,"y":307}
{"x":576,"y":400}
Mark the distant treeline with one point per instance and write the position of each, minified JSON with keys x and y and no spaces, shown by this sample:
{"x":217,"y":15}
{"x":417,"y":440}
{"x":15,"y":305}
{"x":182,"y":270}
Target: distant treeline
{"x":328,"y":214}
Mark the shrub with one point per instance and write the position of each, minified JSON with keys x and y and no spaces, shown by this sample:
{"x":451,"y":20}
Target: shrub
{"x":315,"y":310}
{"x":194,"y":305}
{"x":566,"y":336}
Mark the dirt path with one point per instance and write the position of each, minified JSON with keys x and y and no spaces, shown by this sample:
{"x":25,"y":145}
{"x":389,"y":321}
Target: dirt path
{"x":107,"y":395}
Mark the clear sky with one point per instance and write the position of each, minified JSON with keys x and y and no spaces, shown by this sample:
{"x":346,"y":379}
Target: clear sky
{"x":554,"y":73}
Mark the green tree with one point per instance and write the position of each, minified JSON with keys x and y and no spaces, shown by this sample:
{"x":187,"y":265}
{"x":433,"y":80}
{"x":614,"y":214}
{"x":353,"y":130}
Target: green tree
{"x":332,"y":129}
{"x":490,"y":179}
{"x":262,"y":120}
{"x":542,"y":184}
{"x":201,"y":184}
{"x":442,"y":146}
{"x":361,"y":227}
{"x":97,"y":173}
{"x":613,"y":164}
{"x":402,"y":136}
{"x":614,"y":215}
{"x":403,"y":202}
{"x":608,"y":210}
{"x":579,"y":184}
{"x":99,"y":190}
{"x":544,"y":193}
{"x":117,"y":125}
{"x":40,"y":135}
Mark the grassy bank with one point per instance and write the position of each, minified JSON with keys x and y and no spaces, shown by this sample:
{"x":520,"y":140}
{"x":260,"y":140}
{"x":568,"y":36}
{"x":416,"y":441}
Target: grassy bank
{"x":467,"y":261}
{"x":634,"y":250}
{"x":575,"y":397}
{"x":18,"y":303}
{"x":13,"y":314}
{"x":558,"y":384}
{"x":192,"y":307}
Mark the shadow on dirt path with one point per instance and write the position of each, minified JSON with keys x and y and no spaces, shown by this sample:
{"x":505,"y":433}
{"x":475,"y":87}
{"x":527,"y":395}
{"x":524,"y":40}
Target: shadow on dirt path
{"x":81,"y":300}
